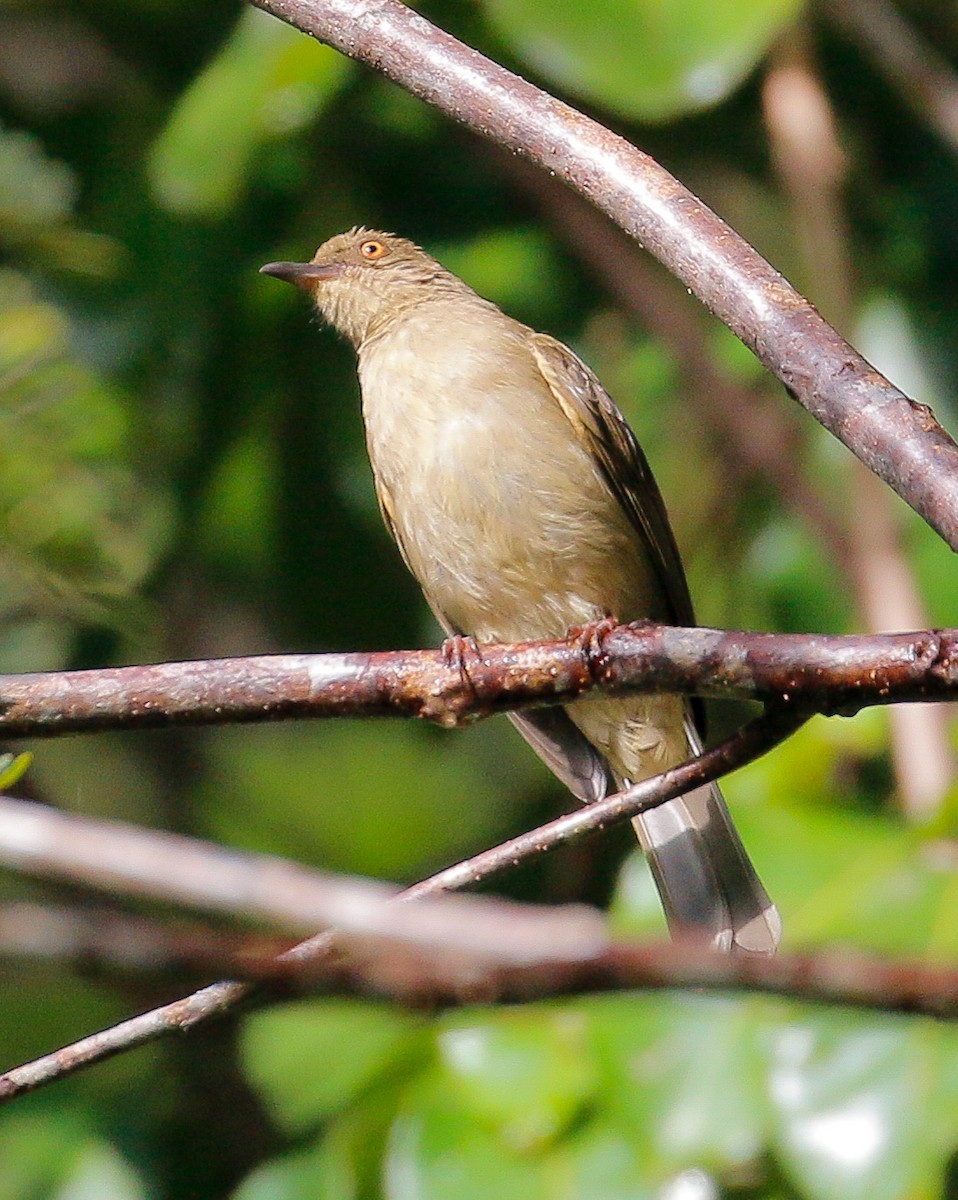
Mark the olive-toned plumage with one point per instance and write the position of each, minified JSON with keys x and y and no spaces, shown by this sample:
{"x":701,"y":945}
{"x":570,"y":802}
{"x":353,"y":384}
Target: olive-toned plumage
{"x":523,"y":505}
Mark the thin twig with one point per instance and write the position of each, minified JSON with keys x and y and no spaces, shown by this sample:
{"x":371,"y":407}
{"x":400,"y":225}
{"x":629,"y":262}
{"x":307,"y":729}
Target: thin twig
{"x":749,"y":743}
{"x":896,"y":438}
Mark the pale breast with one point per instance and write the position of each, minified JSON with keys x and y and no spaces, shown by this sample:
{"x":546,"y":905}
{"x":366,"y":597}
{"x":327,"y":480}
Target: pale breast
{"x":500,"y":512}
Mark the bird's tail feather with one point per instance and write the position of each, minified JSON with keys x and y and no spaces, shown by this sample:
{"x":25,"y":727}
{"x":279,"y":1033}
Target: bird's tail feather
{"x":704,"y":875}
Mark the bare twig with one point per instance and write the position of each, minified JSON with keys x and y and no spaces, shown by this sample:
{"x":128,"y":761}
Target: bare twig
{"x":895,"y":437}
{"x":219,"y":998}
{"x":750,"y":742}
{"x":923,"y":77}
{"x":826,"y":673}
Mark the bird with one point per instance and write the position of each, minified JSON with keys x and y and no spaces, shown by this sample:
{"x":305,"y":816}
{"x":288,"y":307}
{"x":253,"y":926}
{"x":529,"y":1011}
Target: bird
{"x":522,"y":503}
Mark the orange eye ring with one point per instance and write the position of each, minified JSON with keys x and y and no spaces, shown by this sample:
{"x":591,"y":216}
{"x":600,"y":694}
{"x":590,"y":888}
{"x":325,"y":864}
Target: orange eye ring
{"x":372,"y":249}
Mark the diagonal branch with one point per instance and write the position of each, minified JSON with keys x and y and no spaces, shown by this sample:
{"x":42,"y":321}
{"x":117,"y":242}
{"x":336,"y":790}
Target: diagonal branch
{"x":760,"y":735}
{"x":896,"y":438}
{"x":922,"y":76}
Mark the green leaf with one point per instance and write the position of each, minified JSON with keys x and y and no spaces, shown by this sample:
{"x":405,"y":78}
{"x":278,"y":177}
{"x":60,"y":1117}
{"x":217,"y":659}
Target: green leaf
{"x":684,"y":1078}
{"x":650,"y":59}
{"x":310,"y":1059}
{"x":866,"y":1107}
{"x":57,"y":1157}
{"x":35,"y":191}
{"x":12,"y":768}
{"x":527,"y":1074}
{"x":437,"y":1151}
{"x":267,"y":81}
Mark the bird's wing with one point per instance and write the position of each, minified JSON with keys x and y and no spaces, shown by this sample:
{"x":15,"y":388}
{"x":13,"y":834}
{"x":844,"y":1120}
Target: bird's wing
{"x":565,"y":750}
{"x":598,"y":423}
{"x":549,"y":731}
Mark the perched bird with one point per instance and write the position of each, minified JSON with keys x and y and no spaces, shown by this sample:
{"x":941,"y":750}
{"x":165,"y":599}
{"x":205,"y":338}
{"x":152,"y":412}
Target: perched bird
{"x":523,"y":505}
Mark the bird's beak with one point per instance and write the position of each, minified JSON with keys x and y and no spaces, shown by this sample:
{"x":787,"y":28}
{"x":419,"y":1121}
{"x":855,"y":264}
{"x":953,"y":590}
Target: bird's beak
{"x":303,"y":275}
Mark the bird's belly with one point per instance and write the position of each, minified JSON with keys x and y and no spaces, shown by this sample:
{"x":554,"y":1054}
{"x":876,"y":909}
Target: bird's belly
{"x":511,"y":534}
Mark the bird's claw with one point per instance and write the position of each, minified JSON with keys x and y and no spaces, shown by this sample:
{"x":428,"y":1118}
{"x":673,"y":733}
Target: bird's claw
{"x":456,"y":651}
{"x":590,"y":639}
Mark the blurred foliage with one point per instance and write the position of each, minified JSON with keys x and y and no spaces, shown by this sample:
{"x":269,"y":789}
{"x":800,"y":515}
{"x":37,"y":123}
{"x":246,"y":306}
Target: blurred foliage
{"x":182,"y":474}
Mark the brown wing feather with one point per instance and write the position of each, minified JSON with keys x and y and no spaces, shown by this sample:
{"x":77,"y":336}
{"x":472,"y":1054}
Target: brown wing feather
{"x":597,"y":421}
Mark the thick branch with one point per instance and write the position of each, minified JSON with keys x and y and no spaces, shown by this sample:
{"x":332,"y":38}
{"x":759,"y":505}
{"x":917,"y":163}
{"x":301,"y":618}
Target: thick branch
{"x":826,"y":673}
{"x":895,"y":437}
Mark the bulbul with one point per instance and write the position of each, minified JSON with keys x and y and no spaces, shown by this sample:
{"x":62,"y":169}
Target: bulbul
{"x":523,"y":505}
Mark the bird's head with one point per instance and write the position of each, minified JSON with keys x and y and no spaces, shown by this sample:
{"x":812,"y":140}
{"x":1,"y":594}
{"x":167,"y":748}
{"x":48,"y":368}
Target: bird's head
{"x":363,"y":277}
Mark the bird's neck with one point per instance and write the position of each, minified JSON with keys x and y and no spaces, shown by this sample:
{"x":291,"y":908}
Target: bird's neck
{"x":360,"y":320}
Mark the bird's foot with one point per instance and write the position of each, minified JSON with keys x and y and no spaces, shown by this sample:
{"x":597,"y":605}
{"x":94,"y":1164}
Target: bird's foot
{"x":590,"y":639}
{"x":457,"y":650}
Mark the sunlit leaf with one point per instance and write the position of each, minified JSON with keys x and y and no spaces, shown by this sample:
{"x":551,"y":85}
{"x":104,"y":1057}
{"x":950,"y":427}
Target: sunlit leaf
{"x":866,"y":1107}
{"x":268,"y":80}
{"x":310,"y":1059}
{"x":526,"y":1075}
{"x":651,"y":59}
{"x":12,"y":768}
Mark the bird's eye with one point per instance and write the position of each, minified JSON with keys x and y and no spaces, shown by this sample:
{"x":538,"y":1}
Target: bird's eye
{"x":372,"y":249}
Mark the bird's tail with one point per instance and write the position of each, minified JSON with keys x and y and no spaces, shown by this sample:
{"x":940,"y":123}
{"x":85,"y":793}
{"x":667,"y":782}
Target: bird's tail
{"x":704,"y":875}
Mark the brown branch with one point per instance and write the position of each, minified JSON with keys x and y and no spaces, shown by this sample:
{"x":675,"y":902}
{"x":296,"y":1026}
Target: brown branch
{"x":826,"y":673}
{"x":895,"y":437}
{"x":125,"y":944}
{"x":757,"y":737}
{"x":121,"y":859}
{"x":442,"y":972}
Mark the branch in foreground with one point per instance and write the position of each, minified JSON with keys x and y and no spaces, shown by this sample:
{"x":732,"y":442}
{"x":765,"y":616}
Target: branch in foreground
{"x":757,"y":737}
{"x":125,"y":860}
{"x":896,"y":438}
{"x":123,"y":944}
{"x":442,"y":972}
{"x":830,"y":674}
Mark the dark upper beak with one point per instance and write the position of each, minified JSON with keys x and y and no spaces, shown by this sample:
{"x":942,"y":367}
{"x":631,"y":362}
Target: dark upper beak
{"x":304,"y":275}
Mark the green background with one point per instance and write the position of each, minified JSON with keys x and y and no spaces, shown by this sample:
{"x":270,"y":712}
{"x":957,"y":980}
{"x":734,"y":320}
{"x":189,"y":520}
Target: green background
{"x":182,"y":475}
